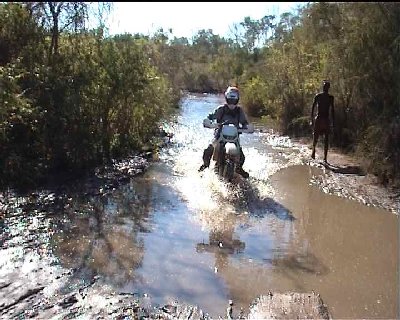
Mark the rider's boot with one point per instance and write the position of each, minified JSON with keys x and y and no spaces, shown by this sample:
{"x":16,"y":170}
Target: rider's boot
{"x":243,"y":173}
{"x":202,"y":167}
{"x":207,"y":154}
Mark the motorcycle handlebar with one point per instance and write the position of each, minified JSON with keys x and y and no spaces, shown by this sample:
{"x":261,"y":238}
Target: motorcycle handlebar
{"x":207,"y":123}
{"x":249,"y":129}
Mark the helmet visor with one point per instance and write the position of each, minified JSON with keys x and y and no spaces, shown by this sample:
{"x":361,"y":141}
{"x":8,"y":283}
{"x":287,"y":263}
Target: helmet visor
{"x":233,"y":101}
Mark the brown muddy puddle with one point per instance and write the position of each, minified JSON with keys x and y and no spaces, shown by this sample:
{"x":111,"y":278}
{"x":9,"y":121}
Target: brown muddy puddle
{"x":173,"y":233}
{"x":161,"y":243}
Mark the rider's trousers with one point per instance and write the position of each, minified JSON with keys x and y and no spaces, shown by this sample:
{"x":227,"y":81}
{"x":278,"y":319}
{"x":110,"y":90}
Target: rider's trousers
{"x":208,"y":152}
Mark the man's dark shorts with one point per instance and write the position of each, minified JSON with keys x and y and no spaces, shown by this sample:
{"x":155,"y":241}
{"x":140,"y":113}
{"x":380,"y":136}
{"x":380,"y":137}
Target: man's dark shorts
{"x":321,"y":125}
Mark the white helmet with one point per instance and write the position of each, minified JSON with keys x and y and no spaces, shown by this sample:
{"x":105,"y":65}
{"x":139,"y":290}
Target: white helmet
{"x":232,"y":95}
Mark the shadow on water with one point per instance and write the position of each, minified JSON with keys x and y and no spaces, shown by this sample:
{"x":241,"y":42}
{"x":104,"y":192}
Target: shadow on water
{"x":301,"y":263}
{"x":259,"y":206}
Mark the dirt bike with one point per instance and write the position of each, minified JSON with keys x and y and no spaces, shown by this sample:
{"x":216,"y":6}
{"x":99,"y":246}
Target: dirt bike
{"x":227,"y":147}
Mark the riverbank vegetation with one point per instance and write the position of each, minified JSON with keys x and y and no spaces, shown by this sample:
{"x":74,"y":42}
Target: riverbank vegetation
{"x":73,"y":97}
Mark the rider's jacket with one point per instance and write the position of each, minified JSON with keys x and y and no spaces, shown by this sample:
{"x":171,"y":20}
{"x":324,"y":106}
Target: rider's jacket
{"x":235,"y":116}
{"x":224,"y":114}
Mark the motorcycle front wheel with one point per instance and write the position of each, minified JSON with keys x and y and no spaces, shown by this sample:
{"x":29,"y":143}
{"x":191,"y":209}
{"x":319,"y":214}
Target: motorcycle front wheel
{"x":229,"y":170}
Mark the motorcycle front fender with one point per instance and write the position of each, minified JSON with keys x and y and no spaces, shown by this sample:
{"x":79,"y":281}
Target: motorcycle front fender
{"x":232,"y":149}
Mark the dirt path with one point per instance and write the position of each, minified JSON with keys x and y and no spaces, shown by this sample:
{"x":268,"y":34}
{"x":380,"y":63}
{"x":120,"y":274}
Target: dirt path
{"x":345,"y":176}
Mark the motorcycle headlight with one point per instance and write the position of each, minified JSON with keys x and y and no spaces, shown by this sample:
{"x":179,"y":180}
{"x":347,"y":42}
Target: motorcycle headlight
{"x":228,"y":137}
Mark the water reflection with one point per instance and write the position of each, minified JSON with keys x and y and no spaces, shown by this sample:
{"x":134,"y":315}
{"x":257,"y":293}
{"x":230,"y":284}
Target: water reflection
{"x":222,"y":242}
{"x":97,"y":244}
{"x":356,"y":245}
{"x":103,"y":235}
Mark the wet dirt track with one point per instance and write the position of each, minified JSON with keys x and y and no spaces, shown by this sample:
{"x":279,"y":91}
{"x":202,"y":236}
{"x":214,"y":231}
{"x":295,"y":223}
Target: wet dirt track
{"x":174,"y":234}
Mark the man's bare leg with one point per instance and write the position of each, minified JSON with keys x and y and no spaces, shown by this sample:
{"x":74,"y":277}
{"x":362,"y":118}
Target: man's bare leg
{"x":315,"y":141}
{"x":326,"y":145}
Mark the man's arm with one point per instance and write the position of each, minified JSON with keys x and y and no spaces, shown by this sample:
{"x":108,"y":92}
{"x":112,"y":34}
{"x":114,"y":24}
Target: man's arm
{"x":312,"y":110}
{"x":242,"y":118}
{"x":213,"y":115}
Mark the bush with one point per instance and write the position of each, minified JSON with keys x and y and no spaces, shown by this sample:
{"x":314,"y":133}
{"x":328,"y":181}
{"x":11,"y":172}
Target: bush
{"x":254,"y":98}
{"x":300,"y":126}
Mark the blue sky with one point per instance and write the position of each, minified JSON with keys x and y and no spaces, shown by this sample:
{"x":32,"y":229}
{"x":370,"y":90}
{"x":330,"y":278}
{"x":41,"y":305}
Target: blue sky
{"x":186,"y":18}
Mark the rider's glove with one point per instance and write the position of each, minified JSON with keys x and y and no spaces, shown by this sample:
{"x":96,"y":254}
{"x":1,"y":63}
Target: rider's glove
{"x":207,"y":123}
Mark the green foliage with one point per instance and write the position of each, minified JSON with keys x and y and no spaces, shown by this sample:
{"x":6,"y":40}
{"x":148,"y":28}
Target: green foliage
{"x":380,"y":150}
{"x":19,"y":127}
{"x":18,"y":32}
{"x":71,"y":98}
{"x":255,"y":98}
{"x":356,"y":46}
{"x":95,"y":99}
{"x":300,"y":126}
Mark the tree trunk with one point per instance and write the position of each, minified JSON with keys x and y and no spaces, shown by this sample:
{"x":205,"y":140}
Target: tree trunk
{"x":55,"y":9}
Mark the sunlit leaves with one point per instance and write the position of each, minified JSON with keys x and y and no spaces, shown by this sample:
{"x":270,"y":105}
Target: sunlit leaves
{"x":97,"y":98}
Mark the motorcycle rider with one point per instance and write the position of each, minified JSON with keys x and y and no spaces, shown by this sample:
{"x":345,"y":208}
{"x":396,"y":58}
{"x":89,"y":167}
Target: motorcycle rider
{"x":232,"y":113}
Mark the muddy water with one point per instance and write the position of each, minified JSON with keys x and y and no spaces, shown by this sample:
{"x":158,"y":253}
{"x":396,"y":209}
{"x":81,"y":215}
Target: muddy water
{"x":173,"y":233}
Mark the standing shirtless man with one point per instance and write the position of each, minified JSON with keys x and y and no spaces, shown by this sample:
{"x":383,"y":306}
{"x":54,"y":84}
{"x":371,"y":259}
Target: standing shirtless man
{"x":321,"y":123}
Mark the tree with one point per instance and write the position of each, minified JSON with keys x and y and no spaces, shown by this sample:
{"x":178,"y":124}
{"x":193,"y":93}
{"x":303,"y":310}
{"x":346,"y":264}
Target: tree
{"x":58,"y":17}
